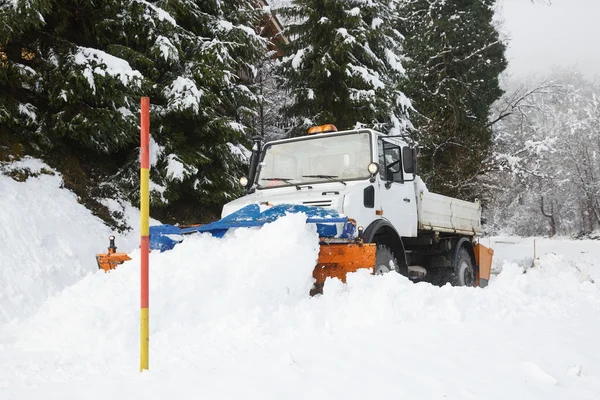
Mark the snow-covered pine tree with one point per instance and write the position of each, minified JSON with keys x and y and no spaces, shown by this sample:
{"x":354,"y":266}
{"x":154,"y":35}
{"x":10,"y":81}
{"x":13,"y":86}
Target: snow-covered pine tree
{"x":72,"y":74}
{"x":344,"y":66}
{"x":64,"y":97}
{"x":204,"y":104}
{"x":455,"y":59}
{"x":61,"y":96}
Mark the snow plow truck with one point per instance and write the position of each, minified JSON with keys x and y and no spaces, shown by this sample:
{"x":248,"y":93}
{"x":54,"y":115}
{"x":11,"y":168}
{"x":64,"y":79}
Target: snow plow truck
{"x":361,"y":189}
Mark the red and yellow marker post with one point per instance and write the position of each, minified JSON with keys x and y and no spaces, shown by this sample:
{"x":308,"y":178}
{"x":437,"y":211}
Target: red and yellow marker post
{"x":144,"y":229}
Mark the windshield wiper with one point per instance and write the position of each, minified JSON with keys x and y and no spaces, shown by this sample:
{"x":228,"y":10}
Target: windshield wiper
{"x":332,"y":178}
{"x":286,"y":180}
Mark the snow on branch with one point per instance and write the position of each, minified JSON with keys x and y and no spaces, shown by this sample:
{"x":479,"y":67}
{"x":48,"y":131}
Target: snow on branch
{"x":183,"y":94}
{"x":518,"y":101}
{"x":160,"y":13}
{"x":97,"y":62}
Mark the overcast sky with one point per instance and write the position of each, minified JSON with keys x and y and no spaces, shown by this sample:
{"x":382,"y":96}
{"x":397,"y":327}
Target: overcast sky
{"x":565,"y":34}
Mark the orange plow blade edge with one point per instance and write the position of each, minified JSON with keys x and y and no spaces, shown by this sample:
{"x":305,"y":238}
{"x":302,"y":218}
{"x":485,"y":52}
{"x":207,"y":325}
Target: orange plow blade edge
{"x":111,"y":259}
{"x":483,"y":259}
{"x":338,"y":259}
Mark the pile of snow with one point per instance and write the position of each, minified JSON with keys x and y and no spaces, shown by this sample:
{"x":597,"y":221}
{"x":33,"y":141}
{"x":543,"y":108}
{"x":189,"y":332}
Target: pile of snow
{"x":48,"y":240}
{"x":231,"y":318}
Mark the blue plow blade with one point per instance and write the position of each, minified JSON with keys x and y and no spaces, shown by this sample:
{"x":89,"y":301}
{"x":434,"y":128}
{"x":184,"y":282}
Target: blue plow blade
{"x":165,"y":237}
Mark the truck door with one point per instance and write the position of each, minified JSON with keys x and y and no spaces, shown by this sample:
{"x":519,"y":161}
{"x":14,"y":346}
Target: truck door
{"x":397,"y":198}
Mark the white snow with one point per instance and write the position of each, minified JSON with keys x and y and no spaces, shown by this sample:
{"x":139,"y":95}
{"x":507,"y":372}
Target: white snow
{"x":225,"y":25}
{"x":25,"y":69}
{"x":249,"y":31}
{"x":376,"y":23}
{"x":354,"y":12}
{"x":155,"y":187}
{"x":47,"y":242}
{"x":155,"y":150}
{"x":167,"y":50}
{"x":231,"y":318}
{"x":236,"y":126}
{"x":298,"y":57}
{"x":161,"y":14}
{"x":239,"y":151}
{"x":368,"y":76}
{"x":394,"y":61}
{"x":348,"y":38}
{"x":176,"y":170}
{"x":28,"y":110}
{"x":100,"y":63}
{"x":184,"y":94}
{"x":125,"y":112}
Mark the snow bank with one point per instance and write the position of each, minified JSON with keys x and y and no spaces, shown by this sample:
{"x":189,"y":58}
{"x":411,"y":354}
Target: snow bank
{"x":47,"y":241}
{"x":231,"y":318}
{"x":238,"y":307}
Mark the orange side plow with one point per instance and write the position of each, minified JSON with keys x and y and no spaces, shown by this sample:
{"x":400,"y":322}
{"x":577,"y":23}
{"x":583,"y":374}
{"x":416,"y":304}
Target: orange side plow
{"x":483,"y":259}
{"x":337,"y":259}
{"x":111,"y":259}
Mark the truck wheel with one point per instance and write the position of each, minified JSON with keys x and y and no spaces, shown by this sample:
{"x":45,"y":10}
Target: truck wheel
{"x":383,"y":257}
{"x":464,"y":272}
{"x":440,"y":276}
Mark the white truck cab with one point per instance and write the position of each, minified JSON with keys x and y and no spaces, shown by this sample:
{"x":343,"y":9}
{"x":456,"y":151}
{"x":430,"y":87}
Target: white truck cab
{"x":372,"y":178}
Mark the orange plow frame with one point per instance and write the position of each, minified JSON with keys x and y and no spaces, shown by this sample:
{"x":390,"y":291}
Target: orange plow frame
{"x":111,"y":259}
{"x":483,"y":259}
{"x":337,"y":259}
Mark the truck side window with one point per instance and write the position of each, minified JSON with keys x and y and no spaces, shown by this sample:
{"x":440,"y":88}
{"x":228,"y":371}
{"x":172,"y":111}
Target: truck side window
{"x":390,"y":162}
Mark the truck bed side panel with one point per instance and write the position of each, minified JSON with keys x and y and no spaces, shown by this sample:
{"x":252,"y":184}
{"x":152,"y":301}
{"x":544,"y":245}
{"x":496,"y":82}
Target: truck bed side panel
{"x":446,"y":214}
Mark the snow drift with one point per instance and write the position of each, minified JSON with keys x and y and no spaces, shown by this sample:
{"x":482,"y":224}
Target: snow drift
{"x":232,"y":318}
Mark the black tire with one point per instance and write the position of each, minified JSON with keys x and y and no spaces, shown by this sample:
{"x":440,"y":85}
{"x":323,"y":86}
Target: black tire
{"x":383,"y":257}
{"x":439,"y":276}
{"x":464,"y":270}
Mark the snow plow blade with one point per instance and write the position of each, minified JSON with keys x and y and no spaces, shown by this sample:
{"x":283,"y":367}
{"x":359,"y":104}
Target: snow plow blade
{"x":338,"y":259}
{"x":166,"y":237}
{"x":111,"y":259}
{"x":483,"y":259}
{"x":340,"y":252}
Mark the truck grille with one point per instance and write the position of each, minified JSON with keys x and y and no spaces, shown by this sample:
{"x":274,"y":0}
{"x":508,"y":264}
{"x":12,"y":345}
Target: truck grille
{"x":318,"y":203}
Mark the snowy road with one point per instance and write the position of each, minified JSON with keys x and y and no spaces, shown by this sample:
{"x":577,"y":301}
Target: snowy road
{"x":230,"y":319}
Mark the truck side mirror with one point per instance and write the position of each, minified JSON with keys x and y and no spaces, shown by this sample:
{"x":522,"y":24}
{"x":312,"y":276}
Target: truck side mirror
{"x":409,"y":157}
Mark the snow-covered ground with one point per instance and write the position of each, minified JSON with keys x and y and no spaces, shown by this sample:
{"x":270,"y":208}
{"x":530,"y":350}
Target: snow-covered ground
{"x":231,"y":318}
{"x":46,"y":240}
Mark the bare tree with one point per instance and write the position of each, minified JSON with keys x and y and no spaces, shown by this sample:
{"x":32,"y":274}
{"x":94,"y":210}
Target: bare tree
{"x":547,"y":145}
{"x":550,"y":216}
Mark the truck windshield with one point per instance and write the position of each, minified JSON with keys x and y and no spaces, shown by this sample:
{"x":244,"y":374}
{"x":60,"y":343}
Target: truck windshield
{"x":317,"y":159}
